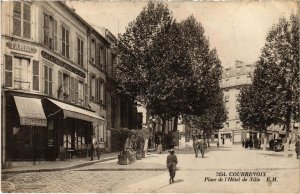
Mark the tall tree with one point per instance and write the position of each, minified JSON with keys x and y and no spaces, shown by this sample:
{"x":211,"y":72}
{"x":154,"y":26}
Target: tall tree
{"x":274,"y":96}
{"x":205,"y":96}
{"x":154,"y":63}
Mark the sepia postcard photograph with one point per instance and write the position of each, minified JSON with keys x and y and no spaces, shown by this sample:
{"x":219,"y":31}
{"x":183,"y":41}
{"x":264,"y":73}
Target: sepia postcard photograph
{"x":150,"y":96}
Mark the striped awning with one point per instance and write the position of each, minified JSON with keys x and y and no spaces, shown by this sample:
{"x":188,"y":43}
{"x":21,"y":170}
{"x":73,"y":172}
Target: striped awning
{"x":31,"y":111}
{"x":71,"y":111}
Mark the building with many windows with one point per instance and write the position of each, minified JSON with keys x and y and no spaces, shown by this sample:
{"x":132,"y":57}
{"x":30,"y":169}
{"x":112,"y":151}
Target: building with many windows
{"x":54,"y":82}
{"x":232,"y":79}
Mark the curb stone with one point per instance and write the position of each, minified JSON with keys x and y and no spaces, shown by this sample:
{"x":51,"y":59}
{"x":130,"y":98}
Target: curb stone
{"x":6,"y":171}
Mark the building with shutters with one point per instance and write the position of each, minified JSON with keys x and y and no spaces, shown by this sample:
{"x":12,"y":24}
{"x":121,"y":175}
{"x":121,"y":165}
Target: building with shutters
{"x":46,"y":107}
{"x":58,"y":83}
{"x":233,"y":79}
{"x":121,"y":112}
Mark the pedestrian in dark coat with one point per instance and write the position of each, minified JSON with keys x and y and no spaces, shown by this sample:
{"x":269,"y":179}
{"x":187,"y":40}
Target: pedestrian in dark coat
{"x":171,"y":165}
{"x":202,"y":146}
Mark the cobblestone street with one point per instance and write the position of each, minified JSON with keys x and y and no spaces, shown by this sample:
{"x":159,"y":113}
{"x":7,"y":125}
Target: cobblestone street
{"x":150,"y":175}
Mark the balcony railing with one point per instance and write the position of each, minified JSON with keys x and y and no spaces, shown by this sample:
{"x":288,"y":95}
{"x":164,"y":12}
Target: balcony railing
{"x":22,"y":85}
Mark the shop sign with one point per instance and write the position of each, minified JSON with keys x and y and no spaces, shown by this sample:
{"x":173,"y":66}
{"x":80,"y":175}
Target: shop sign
{"x":61,"y":63}
{"x":21,"y":47}
{"x":33,"y":122}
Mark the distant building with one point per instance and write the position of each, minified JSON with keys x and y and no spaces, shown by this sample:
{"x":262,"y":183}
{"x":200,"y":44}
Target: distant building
{"x":232,"y":80}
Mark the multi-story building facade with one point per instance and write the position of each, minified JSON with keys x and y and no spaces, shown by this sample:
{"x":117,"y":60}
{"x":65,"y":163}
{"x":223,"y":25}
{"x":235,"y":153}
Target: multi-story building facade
{"x":121,"y":112}
{"x":232,"y":80}
{"x":45,"y":98}
{"x":57,"y":83}
{"x":97,"y":70}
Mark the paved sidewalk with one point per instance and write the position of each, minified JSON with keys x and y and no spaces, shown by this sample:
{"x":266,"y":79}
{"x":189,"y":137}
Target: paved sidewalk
{"x":46,"y":166}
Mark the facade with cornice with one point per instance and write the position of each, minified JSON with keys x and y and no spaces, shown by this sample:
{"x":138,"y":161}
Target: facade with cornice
{"x":232,"y":80}
{"x":53,"y":81}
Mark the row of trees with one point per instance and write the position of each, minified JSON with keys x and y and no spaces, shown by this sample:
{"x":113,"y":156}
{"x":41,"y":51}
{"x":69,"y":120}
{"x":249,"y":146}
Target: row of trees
{"x":168,"y":67}
{"x":274,"y":95}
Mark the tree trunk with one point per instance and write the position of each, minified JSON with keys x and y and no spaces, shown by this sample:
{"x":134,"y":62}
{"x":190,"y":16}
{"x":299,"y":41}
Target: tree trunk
{"x":288,"y":122}
{"x":163,"y":127}
{"x":175,"y":126}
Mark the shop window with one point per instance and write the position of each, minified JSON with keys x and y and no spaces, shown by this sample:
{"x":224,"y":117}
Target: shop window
{"x":22,"y":135}
{"x":48,"y":80}
{"x":67,"y":141}
{"x":79,"y":52}
{"x":79,"y":139}
{"x":92,"y":86}
{"x":21,"y":19}
{"x":50,"y":31}
{"x":65,"y":42}
{"x":21,"y":73}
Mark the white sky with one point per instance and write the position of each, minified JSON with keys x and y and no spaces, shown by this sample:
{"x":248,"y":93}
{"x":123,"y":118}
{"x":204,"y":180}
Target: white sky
{"x":236,"y":29}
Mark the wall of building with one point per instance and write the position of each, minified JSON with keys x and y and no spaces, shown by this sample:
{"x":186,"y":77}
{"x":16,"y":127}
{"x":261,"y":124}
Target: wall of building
{"x":232,"y":80}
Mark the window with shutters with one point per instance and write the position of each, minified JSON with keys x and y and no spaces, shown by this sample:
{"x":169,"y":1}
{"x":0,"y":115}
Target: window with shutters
{"x":99,"y":90}
{"x":76,"y":91}
{"x":86,"y":95}
{"x":102,"y":91}
{"x":97,"y":55}
{"x":8,"y":71}
{"x":93,"y":50}
{"x":80,"y":93}
{"x":79,"y":51}
{"x":65,"y":42}
{"x":102,"y":57}
{"x":66,"y":86}
{"x":35,"y":74}
{"x":92,"y":86}
{"x":72,"y":90}
{"x":22,"y":19}
{"x":21,"y":73}
{"x":50,"y":31}
{"x":48,"y":83}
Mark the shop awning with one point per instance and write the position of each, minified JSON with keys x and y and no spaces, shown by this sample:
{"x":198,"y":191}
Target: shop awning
{"x":71,"y":111}
{"x":30,"y":111}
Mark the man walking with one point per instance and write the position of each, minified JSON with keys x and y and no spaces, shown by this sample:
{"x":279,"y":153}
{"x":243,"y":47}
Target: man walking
{"x":94,"y":145}
{"x":171,"y":165}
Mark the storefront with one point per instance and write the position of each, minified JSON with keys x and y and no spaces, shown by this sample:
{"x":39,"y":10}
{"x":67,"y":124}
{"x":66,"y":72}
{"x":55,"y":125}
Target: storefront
{"x":26,"y":128}
{"x":70,"y":128}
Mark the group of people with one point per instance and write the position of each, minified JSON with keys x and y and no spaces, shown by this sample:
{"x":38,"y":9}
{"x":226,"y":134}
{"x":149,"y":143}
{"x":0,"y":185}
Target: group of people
{"x":255,"y":142}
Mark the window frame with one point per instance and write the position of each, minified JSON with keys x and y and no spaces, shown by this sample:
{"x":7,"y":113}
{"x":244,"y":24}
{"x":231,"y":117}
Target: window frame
{"x":80,"y":52}
{"x":22,"y":19}
{"x":48,"y":80}
{"x":65,"y":45}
